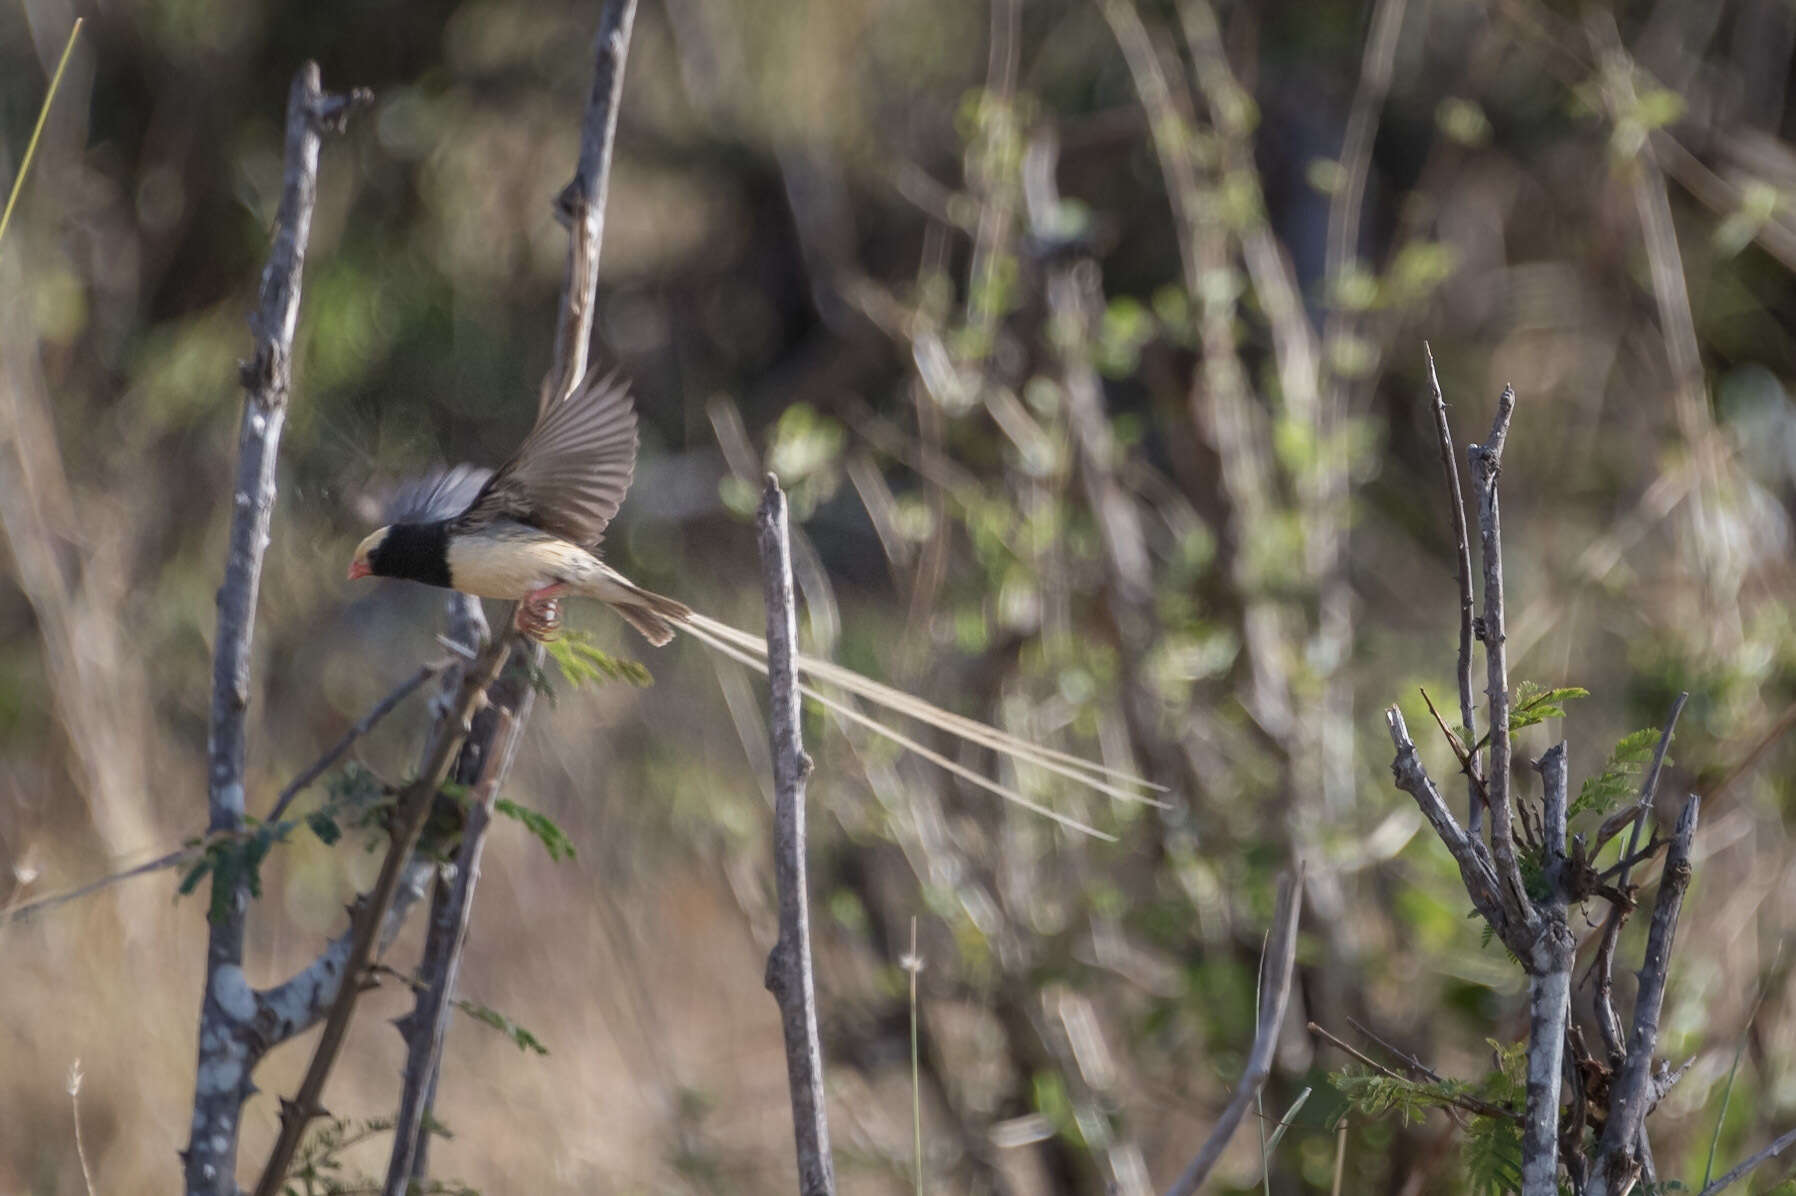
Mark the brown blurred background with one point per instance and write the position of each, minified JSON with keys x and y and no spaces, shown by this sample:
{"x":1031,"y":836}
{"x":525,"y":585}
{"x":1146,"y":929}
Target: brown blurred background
{"x":1088,"y":338}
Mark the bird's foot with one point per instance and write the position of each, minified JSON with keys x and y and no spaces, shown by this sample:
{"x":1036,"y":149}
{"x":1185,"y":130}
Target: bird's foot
{"x":539,"y":614}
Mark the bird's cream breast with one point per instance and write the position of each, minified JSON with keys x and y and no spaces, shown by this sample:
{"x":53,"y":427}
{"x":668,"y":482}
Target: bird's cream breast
{"x":511,"y":565}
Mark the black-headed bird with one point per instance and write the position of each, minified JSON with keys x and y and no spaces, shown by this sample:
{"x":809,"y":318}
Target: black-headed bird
{"x":531,"y":531}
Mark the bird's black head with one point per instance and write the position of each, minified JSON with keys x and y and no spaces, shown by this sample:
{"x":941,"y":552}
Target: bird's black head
{"x":414,"y":551}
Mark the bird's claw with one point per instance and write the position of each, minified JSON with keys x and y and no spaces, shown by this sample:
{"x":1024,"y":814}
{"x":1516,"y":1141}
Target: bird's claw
{"x":539,"y":619}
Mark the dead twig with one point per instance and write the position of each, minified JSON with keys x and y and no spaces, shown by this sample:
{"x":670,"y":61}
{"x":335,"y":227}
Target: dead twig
{"x":1629,"y":1100}
{"x":1602,"y":968}
{"x":1476,"y":799}
{"x":361,"y":727}
{"x":1281,"y":951}
{"x":789,"y":976}
{"x":1739,"y":1173}
{"x":1486,"y":464}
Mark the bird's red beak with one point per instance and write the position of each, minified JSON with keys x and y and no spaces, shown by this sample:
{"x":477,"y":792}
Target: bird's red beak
{"x":358,"y":569}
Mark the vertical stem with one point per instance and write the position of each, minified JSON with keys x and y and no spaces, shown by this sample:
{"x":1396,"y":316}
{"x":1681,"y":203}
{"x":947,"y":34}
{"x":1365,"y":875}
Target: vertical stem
{"x":1487,"y":462}
{"x":1629,"y":1098}
{"x":582,"y":201}
{"x":789,"y":964}
{"x":494,"y":740}
{"x":1549,"y":989}
{"x":1462,"y":545}
{"x":222,"y":1077}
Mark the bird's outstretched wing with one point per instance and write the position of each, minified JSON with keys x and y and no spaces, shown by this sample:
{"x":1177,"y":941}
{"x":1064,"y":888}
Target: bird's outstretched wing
{"x":571,"y":472}
{"x":439,"y":494}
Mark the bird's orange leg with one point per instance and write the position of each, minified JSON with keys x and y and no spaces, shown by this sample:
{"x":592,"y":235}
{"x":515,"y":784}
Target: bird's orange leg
{"x":539,"y":613}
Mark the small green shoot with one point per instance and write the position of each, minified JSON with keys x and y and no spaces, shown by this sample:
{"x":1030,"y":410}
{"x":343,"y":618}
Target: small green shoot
{"x":552,"y":837}
{"x":487,"y":1015}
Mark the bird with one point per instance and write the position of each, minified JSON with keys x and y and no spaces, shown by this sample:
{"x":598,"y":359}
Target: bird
{"x":531,"y":531}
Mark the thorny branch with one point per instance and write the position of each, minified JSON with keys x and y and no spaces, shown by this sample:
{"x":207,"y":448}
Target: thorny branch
{"x":408,"y":823}
{"x":222,"y":1081}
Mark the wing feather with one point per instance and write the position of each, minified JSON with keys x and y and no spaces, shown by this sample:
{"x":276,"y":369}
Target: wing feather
{"x":439,"y":494}
{"x":572,"y":471}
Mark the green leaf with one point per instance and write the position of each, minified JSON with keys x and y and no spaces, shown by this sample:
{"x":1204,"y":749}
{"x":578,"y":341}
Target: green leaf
{"x":552,"y":837}
{"x":1532,"y":704}
{"x":581,"y":662}
{"x":324,"y":826}
{"x":525,"y":1040}
{"x":1621,"y":774}
{"x":195,"y":874}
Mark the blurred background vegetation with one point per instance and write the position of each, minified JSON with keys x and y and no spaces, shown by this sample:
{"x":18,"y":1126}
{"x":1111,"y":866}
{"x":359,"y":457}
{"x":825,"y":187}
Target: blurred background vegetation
{"x":1087,"y":336}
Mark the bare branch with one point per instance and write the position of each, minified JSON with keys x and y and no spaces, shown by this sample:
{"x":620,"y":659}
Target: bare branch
{"x":1486,"y":463}
{"x":362,"y":726}
{"x":1462,"y":544}
{"x":1468,"y":764}
{"x":222,"y":1081}
{"x":1475,"y":867}
{"x":1649,"y":787}
{"x":25,"y":911}
{"x":425,"y":1028}
{"x":582,"y":202}
{"x":1549,"y":993}
{"x":789,"y":964}
{"x":1282,"y":951}
{"x":1739,"y":1173}
{"x":1603,"y":967}
{"x":1629,"y":1099}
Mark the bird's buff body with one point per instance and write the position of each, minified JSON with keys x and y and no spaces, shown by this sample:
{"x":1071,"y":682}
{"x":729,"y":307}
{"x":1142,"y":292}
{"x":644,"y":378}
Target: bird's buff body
{"x":506,"y":559}
{"x":511,"y":561}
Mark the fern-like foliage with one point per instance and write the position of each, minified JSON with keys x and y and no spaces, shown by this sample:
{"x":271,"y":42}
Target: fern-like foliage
{"x":1492,"y":1156}
{"x":1620,"y":777}
{"x":1492,"y":1153}
{"x":1378,"y":1095}
{"x":582,"y":663}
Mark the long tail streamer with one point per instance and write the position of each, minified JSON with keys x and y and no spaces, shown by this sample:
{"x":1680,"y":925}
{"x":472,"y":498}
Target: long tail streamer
{"x":751,"y":650}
